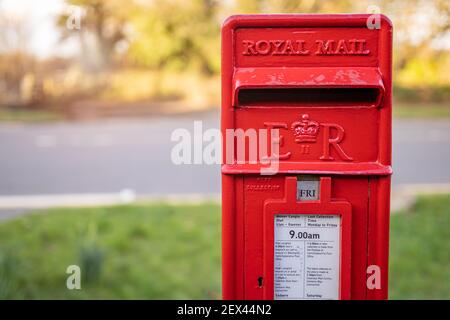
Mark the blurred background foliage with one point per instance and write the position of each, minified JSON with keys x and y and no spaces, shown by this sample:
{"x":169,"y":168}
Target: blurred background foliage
{"x":155,"y":51}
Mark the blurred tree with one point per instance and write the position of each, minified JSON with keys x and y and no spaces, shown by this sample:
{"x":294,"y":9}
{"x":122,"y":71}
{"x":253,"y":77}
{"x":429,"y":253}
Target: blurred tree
{"x":176,"y":34}
{"x":102,"y":21}
{"x":294,"y":6}
{"x":180,"y":35}
{"x":421,"y":36}
{"x":249,"y":6}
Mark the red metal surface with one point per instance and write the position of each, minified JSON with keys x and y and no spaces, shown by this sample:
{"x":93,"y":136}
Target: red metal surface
{"x":350,"y":146}
{"x":328,"y":77}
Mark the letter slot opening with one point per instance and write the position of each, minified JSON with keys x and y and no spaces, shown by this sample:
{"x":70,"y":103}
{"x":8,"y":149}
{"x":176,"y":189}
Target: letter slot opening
{"x":317,"y":97}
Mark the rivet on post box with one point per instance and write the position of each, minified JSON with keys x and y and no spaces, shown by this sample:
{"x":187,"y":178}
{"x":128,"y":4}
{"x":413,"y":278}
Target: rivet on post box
{"x":317,"y":90}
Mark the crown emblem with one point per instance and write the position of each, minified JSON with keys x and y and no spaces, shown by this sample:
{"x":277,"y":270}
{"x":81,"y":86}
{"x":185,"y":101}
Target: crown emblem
{"x":305,"y":130}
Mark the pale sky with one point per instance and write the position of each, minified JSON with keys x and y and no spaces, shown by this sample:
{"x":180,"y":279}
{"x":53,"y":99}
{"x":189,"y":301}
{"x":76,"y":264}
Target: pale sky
{"x":40,"y":17}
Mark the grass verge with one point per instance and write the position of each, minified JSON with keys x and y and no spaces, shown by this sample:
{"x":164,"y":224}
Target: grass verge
{"x":173,"y":252}
{"x":25,"y":115}
{"x":420,"y":251}
{"x":421,"y":111}
{"x":135,"y":251}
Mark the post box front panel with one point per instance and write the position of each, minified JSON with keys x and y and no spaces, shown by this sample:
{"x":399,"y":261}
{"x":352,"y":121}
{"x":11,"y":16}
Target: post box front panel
{"x":257,"y":190}
{"x":352,"y":127}
{"x":324,"y":82}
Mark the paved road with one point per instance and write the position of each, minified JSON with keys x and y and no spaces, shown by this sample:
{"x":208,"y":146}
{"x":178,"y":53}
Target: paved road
{"x":109,"y":156}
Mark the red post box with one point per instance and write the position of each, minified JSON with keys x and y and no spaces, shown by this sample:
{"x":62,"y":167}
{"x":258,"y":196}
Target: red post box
{"x":316,"y":227}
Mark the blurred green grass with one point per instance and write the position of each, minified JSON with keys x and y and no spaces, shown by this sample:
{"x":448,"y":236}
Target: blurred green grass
{"x":162,"y":251}
{"x":27,"y":115}
{"x":420,"y":250}
{"x":144,"y":252}
{"x":421,"y":111}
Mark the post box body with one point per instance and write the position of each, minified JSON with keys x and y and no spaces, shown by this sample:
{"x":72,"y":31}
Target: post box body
{"x":324,"y":82}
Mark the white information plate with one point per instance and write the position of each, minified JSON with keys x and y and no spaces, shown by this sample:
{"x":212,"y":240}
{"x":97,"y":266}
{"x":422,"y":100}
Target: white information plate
{"x":306,"y":257}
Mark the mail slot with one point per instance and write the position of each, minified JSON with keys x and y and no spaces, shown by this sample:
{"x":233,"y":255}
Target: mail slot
{"x":308,"y":97}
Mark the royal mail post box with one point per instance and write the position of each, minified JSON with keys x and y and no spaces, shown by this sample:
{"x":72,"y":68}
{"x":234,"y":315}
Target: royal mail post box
{"x":310,"y":97}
